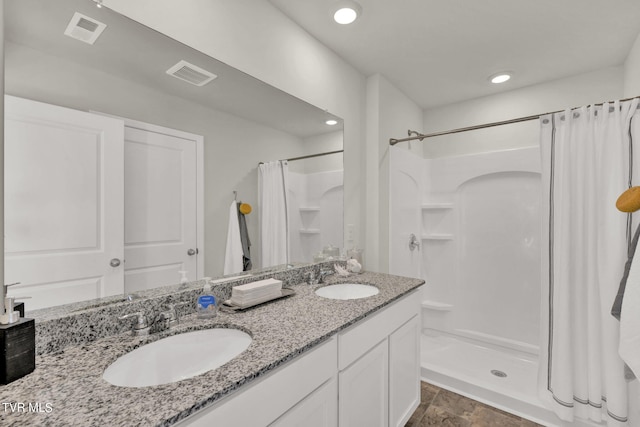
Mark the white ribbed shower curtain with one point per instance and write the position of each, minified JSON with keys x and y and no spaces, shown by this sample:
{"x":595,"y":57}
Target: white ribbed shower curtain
{"x":586,"y":165}
{"x":274,"y":228}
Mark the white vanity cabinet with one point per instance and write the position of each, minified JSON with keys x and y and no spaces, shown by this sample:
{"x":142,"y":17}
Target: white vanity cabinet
{"x":366,"y":376}
{"x":379,"y":367}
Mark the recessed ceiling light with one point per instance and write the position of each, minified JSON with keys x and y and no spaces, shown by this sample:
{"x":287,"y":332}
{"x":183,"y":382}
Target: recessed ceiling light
{"x":500,"y":77}
{"x":347,"y":11}
{"x":331,"y":122}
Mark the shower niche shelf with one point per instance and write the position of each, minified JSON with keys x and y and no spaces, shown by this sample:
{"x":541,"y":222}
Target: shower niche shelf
{"x":437,"y":236}
{"x":309,"y":231}
{"x":434,"y":206}
{"x":436,"y":305}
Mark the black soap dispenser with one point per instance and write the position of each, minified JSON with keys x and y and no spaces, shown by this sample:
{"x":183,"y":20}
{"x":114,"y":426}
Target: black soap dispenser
{"x":17,"y":341}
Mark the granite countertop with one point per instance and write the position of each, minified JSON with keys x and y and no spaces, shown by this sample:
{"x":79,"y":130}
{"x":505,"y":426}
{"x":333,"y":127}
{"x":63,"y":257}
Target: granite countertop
{"x":67,"y":388}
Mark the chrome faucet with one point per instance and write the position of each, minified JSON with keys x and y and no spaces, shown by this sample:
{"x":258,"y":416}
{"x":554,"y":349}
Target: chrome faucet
{"x":169,"y":317}
{"x":145,"y":324}
{"x":140,"y":326}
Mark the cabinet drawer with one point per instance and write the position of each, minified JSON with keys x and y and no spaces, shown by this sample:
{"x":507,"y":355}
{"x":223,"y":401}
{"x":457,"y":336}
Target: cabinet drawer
{"x":364,"y":335}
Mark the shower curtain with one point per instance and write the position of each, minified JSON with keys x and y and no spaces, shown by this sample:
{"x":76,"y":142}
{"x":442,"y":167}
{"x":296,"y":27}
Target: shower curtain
{"x":274,"y":232}
{"x":587,"y":162}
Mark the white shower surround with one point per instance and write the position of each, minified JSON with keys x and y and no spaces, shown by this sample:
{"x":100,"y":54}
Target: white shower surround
{"x":480,"y":231}
{"x":478,"y":217}
{"x":492,"y":246}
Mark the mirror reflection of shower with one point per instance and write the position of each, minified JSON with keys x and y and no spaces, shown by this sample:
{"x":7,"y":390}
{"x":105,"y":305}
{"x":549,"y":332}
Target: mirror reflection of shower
{"x":315,"y":206}
{"x":306,"y":225}
{"x":300,"y":201}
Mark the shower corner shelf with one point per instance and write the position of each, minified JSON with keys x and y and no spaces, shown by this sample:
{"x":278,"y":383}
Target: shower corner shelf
{"x":432,"y":206}
{"x":435,"y":305}
{"x":309,"y":231}
{"x":437,"y":236}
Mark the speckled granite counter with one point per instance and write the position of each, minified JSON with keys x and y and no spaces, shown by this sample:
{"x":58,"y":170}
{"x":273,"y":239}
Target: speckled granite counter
{"x":70,"y":391}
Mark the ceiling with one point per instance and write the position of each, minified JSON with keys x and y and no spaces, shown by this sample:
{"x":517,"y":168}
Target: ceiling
{"x":443,"y":51}
{"x":136,"y":53}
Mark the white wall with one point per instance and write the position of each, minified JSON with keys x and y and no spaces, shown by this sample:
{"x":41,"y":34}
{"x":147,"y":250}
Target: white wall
{"x":583,"y":89}
{"x":255,"y":37}
{"x":632,"y":71}
{"x":389,"y":114}
{"x":233,"y":146}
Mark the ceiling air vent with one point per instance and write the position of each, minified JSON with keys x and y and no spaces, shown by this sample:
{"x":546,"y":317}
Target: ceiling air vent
{"x":85,"y":29}
{"x":191,"y":73}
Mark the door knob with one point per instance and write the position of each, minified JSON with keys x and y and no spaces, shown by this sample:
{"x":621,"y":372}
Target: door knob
{"x":115,"y":262}
{"x":192,"y":252}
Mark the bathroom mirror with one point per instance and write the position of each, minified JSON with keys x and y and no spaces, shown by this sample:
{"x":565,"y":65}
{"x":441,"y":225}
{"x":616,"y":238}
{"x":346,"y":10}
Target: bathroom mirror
{"x":124,"y":76}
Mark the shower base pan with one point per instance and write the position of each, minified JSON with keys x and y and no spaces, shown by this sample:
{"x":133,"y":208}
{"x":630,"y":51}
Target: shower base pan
{"x":502,"y":378}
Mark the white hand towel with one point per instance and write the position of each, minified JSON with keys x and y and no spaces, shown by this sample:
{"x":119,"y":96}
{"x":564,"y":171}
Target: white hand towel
{"x":629,"y":348}
{"x":233,"y":254}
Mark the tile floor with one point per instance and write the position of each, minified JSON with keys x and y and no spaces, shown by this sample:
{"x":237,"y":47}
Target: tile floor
{"x":442,"y":408}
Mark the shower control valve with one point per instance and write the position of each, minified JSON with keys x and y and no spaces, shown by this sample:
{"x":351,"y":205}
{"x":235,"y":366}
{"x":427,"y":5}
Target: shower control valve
{"x":414,"y":243}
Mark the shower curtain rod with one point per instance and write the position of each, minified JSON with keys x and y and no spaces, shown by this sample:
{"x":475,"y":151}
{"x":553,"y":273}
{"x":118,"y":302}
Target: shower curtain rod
{"x":420,"y":136}
{"x":310,"y":156}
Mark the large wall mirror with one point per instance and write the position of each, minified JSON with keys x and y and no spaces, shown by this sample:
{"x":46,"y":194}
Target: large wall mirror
{"x":121,"y":173}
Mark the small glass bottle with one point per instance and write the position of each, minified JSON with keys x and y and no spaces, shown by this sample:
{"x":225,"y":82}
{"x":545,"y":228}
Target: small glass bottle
{"x":206,"y":305}
{"x":183,"y":277}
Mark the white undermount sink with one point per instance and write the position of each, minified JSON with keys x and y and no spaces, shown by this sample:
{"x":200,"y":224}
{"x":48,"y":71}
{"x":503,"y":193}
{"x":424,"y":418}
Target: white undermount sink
{"x":346,"y":291}
{"x":177,"y":357}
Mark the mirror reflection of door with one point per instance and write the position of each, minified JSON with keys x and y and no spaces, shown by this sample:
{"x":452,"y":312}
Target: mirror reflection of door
{"x":94,"y":207}
{"x":160,"y":206}
{"x":63,"y":203}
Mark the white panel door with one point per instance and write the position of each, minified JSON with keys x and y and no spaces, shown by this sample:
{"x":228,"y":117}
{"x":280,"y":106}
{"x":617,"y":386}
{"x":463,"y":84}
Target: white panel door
{"x":404,"y":372}
{"x":63,"y":203}
{"x":160,"y":199}
{"x":363,"y":390}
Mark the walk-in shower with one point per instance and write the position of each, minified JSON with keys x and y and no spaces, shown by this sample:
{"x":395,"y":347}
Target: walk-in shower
{"x":478,"y":217}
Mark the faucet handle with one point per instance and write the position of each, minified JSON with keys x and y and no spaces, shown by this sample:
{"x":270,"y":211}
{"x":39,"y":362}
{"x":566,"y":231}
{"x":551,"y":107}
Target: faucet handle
{"x":311,"y":278}
{"x":171,"y":315}
{"x":140,"y":323}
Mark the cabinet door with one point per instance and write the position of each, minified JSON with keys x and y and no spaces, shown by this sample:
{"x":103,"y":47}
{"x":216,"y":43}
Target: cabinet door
{"x":363,"y":390}
{"x":404,"y":372}
{"x":319,"y":409}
